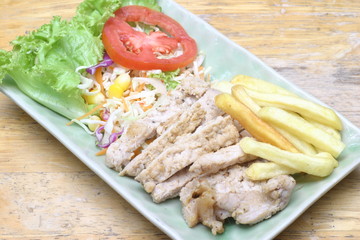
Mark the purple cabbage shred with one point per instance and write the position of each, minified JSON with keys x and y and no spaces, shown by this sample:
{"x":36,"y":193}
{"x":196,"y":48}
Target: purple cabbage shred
{"x":104,"y":63}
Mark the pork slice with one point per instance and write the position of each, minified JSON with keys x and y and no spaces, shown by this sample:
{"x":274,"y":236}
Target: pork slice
{"x":194,"y":86}
{"x":223,"y":158}
{"x":172,"y":186}
{"x":199,"y":204}
{"x":187,"y":123}
{"x":207,"y":102}
{"x":120,"y":153}
{"x":211,"y":136}
{"x":190,"y":86}
{"x":248,"y":202}
{"x":207,"y":164}
{"x":203,"y":111}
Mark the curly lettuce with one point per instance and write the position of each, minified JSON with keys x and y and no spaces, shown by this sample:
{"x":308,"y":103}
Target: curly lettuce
{"x":168,"y":78}
{"x":146,"y":3}
{"x":43,"y":63}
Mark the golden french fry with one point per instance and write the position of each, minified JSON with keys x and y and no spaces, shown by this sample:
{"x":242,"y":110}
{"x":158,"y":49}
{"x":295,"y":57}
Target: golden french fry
{"x":253,"y":124}
{"x":302,"y":146}
{"x":266,"y":170}
{"x":259,"y":85}
{"x":241,"y":95}
{"x":304,"y":107}
{"x":296,"y":125}
{"x":320,"y":165}
{"x":332,"y":131}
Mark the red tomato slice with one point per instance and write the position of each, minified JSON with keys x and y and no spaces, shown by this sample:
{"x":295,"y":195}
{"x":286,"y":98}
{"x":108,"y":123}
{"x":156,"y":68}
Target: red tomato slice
{"x":137,"y":50}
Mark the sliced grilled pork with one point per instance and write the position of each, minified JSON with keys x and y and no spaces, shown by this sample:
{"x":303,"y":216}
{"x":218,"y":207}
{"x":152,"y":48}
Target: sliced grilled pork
{"x":207,"y":164}
{"x":120,"y":152}
{"x":223,"y":158}
{"x":187,"y":123}
{"x":172,"y":186}
{"x":230,"y":193}
{"x":202,"y":110}
{"x":209,"y":137}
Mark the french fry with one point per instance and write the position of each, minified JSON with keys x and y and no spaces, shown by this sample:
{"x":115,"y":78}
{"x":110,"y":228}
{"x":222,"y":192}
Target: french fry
{"x":296,"y":125}
{"x":301,"y":145}
{"x":304,"y":107}
{"x":266,"y":170}
{"x":253,"y":124}
{"x":332,"y":131}
{"x":259,"y":85}
{"x":320,"y":165}
{"x":241,"y":95}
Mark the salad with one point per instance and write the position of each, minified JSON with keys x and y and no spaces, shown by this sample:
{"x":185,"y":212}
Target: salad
{"x":98,"y":70}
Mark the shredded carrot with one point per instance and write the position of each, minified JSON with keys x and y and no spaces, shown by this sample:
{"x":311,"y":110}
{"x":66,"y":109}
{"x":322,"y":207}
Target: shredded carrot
{"x":145,"y":108}
{"x":202,"y":75}
{"x":135,"y":100}
{"x":99,"y":79}
{"x":126,"y":107}
{"x":101,"y":152}
{"x":140,"y":87}
{"x":86,"y":114}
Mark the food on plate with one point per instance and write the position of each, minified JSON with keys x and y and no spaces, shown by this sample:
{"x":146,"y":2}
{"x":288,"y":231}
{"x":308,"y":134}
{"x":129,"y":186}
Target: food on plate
{"x":211,"y":136}
{"x":304,"y":130}
{"x":132,"y":77}
{"x":242,"y":96}
{"x":207,"y":164}
{"x":333,"y":132}
{"x":259,"y":85}
{"x":43,"y":62}
{"x":143,"y":51}
{"x":229,"y":193}
{"x":294,"y":118}
{"x":155,"y":122}
{"x":267,"y":170}
{"x":301,"y":145}
{"x":188,"y":121}
{"x":253,"y":124}
{"x":321,"y":164}
{"x":301,"y":106}
{"x":261,"y":171}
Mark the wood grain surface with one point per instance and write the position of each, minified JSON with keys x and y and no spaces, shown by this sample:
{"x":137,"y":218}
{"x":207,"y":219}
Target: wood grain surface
{"x":47,"y":193}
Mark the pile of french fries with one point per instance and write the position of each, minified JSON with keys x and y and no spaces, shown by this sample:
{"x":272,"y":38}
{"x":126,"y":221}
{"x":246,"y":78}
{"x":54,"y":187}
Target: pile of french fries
{"x":293,"y":134}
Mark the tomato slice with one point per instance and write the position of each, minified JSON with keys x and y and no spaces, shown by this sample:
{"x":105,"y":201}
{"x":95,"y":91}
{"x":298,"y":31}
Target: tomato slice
{"x":140,"y":51}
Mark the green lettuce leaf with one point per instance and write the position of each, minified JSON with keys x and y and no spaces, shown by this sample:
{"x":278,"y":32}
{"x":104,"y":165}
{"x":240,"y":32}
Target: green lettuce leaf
{"x":43,"y":63}
{"x":167,"y":78}
{"x":146,"y":3}
{"x":94,"y":13}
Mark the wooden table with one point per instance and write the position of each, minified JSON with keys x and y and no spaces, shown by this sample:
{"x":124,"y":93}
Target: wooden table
{"x":47,"y":193}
